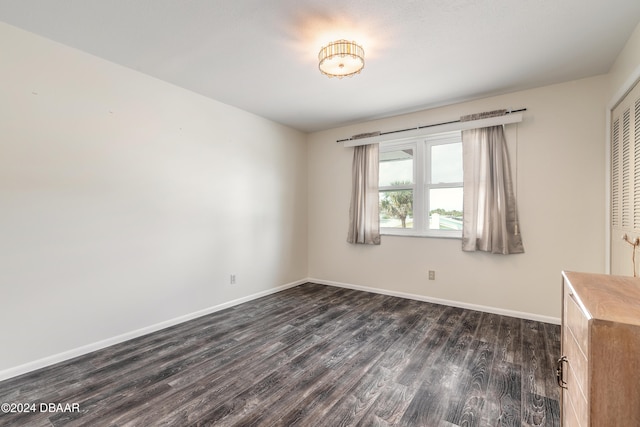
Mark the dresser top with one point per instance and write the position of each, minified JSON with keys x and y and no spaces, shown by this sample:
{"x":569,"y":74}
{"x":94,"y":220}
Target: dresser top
{"x":606,"y":297}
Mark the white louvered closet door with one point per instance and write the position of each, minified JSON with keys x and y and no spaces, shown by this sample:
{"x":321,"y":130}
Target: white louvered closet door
{"x":625,"y":182}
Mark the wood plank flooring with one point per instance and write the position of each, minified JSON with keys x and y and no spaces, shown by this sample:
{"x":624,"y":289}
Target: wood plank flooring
{"x":312,"y":355}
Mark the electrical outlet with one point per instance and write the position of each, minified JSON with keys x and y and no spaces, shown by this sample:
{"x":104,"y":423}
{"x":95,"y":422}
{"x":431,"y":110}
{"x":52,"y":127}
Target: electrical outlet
{"x":432,"y":275}
{"x":232,"y":279}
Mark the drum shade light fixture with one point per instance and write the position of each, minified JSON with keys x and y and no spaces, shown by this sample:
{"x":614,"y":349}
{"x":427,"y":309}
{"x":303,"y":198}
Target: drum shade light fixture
{"x":341,"y":58}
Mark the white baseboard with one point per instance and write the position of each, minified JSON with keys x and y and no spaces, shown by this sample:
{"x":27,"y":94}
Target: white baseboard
{"x":70,"y":354}
{"x":486,"y":309}
{"x":61,"y":357}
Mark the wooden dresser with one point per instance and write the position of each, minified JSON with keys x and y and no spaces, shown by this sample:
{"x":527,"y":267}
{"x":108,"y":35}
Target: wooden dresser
{"x":600,"y":368}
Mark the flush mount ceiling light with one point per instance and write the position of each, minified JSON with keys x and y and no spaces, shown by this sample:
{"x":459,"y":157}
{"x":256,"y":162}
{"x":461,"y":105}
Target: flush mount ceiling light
{"x":341,"y":58}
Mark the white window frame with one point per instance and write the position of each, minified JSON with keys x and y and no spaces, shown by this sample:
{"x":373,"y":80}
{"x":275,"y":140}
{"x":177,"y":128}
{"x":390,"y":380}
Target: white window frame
{"x":417,"y":178}
{"x":421,"y":184}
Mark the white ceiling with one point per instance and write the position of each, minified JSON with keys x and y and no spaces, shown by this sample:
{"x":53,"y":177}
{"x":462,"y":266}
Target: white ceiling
{"x":261,"y":55}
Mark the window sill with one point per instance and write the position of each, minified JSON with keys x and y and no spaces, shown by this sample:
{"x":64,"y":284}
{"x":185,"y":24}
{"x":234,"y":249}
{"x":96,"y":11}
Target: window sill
{"x":405,"y":233}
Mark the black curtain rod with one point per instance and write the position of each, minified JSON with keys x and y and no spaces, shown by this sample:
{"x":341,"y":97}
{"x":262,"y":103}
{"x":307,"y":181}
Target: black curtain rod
{"x":425,"y":126}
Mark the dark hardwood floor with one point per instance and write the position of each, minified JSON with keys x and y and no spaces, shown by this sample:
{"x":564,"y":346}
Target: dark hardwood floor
{"x":312,"y":355}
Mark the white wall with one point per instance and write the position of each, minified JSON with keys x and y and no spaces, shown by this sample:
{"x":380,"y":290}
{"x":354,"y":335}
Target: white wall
{"x":561,"y":187}
{"x":624,"y":73}
{"x":126,"y":201}
{"x":625,"y":70}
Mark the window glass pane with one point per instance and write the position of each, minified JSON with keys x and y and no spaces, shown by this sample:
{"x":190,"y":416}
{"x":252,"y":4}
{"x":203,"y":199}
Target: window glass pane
{"x":445,"y":206}
{"x":396,"y":209}
{"x":446,"y":163}
{"x":396,"y":167}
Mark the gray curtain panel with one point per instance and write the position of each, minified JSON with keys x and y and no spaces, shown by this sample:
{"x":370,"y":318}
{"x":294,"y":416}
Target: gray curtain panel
{"x":490,"y":217}
{"x":364,"y":220}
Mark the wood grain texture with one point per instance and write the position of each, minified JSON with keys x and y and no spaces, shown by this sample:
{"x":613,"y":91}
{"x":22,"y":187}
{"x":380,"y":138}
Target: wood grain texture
{"x":601,"y":340}
{"x":312,"y":355}
{"x":607,"y":297}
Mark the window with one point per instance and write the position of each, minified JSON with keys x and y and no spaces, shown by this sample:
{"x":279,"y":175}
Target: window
{"x":421,"y":186}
